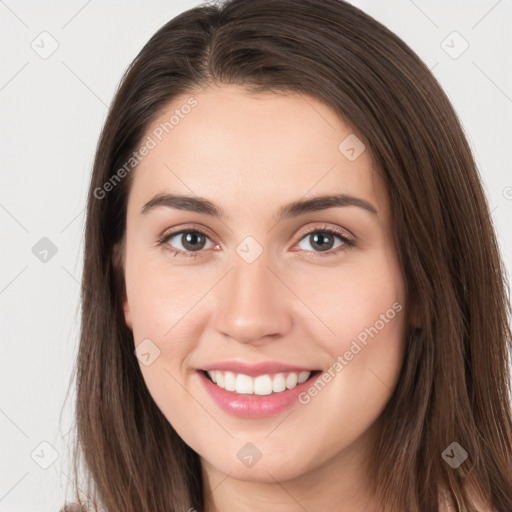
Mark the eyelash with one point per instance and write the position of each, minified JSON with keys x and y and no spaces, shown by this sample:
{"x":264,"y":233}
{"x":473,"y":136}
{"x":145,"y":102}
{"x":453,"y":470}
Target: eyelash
{"x":348,"y":242}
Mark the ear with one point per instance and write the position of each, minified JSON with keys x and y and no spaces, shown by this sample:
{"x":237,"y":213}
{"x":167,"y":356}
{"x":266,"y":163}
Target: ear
{"x":118,"y":267}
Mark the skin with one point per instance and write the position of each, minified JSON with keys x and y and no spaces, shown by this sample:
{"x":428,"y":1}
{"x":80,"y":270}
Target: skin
{"x":251,"y":154}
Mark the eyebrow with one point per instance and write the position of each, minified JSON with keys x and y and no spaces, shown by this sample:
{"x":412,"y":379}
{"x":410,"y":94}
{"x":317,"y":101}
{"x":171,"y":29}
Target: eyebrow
{"x":291,"y":210}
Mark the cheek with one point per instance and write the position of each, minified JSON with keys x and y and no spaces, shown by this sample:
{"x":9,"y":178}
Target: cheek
{"x":367,"y":314}
{"x":364,"y":309}
{"x":165,"y":303}
{"x":159,"y":294}
{"x":355,"y":302}
{"x":161,"y":300}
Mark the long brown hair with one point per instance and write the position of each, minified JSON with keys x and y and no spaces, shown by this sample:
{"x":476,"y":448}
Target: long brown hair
{"x":454,"y":383}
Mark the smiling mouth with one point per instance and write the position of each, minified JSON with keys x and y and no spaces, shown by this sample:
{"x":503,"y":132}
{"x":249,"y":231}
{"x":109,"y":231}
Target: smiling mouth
{"x":262,"y":385}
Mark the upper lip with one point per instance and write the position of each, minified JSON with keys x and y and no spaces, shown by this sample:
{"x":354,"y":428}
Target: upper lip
{"x":255,"y":369}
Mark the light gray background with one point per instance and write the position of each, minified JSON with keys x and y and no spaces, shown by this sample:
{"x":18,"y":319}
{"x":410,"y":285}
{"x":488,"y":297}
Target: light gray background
{"x":52,"y":112}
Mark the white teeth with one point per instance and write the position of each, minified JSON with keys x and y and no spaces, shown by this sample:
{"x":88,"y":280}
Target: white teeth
{"x":278,"y":383}
{"x":303,"y":377}
{"x":230,"y":381}
{"x":261,"y":385}
{"x":291,"y":380}
{"x":244,"y":384}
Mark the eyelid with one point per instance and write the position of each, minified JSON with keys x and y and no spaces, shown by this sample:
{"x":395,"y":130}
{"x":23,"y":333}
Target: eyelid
{"x":302,"y":232}
{"x":188,"y":227}
{"x":348,"y":238}
{"x":336,"y":229}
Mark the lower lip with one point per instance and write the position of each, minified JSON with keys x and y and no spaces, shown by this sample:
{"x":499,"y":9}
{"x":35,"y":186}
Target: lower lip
{"x":253,"y":406}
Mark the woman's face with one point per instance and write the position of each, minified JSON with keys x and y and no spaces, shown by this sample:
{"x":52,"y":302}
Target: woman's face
{"x":258,"y":290}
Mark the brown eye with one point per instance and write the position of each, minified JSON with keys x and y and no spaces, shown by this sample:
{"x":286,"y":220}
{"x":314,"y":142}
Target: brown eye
{"x":185,"y":242}
{"x":324,"y":240}
{"x":191,"y":240}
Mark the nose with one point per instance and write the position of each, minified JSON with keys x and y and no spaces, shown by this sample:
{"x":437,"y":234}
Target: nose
{"x":254,"y":305}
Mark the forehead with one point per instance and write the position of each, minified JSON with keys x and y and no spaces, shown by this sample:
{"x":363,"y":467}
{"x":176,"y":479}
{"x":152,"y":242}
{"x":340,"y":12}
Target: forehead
{"x":251,"y":150}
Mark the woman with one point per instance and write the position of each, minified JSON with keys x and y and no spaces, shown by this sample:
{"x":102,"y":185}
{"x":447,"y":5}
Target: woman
{"x":292,"y":293}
